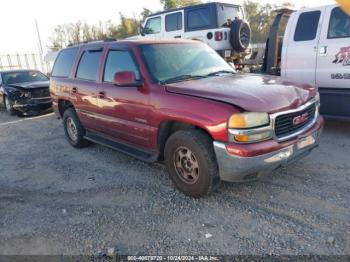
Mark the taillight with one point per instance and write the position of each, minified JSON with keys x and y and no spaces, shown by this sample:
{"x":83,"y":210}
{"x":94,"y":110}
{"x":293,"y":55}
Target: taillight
{"x":219,"y":36}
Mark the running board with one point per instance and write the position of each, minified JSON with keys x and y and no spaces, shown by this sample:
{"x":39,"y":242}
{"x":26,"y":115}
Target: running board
{"x":127,"y":149}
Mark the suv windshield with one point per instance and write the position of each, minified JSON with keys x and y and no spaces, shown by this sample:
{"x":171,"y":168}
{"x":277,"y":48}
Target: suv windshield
{"x":23,"y":77}
{"x":169,"y":63}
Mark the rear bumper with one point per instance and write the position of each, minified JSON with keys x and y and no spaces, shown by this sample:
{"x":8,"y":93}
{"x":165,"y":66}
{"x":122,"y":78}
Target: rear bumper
{"x":234,"y":168}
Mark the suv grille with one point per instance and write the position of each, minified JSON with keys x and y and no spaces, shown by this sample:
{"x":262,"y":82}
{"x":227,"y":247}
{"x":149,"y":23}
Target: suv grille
{"x":40,"y":93}
{"x":288,"y":124}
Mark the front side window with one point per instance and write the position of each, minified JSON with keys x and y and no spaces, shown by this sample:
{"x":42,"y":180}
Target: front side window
{"x":169,"y":61}
{"x":173,"y":22}
{"x":64,"y":62}
{"x":23,"y":77}
{"x":119,"y":61}
{"x":153,"y":26}
{"x":88,"y":66}
{"x":199,"y":18}
{"x":307,"y":26}
{"x":339,"y":24}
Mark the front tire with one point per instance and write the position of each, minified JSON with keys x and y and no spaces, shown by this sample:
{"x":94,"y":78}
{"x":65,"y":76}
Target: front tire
{"x":73,"y":129}
{"x":9,"y":106}
{"x":191,"y":162}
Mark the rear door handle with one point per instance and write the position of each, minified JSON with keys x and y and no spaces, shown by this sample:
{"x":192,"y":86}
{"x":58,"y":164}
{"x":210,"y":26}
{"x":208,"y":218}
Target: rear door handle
{"x":178,"y":36}
{"x":102,"y":94}
{"x":323,"y":51}
{"x":74,"y":90}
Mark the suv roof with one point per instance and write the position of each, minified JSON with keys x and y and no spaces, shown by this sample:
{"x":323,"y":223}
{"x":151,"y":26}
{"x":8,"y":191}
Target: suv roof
{"x":135,"y":42}
{"x":191,"y":6}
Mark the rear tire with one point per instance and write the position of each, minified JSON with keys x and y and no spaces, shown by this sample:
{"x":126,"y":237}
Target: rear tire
{"x":73,"y":129}
{"x":191,"y":162}
{"x":9,"y":107}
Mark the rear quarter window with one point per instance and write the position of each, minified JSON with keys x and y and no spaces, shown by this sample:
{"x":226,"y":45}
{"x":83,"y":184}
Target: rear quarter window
{"x":307,"y":26}
{"x":200,"y":18}
{"x":64,"y":62}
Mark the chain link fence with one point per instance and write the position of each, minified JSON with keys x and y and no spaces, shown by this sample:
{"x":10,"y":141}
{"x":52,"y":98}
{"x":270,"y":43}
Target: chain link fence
{"x":24,"y":61}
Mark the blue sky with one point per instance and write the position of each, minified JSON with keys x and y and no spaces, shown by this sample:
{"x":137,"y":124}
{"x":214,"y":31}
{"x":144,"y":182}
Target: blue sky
{"x":18,"y":16}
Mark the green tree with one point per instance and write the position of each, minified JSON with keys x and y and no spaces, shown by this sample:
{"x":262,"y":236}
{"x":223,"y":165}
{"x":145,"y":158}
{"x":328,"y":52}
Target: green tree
{"x":260,"y":18}
{"x":172,"y":4}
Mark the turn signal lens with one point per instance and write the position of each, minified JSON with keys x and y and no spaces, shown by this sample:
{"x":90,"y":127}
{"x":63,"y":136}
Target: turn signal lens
{"x":248,"y":120}
{"x":253,"y":138}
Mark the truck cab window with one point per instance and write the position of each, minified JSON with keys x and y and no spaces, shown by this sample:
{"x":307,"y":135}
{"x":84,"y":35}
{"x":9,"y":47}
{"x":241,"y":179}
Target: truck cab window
{"x":153,"y":26}
{"x":307,"y":25}
{"x":339,"y":24}
{"x":119,"y":61}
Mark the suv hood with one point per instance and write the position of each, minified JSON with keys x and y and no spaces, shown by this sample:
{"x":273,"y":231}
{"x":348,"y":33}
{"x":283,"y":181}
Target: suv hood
{"x":254,"y":93}
{"x":30,"y":85}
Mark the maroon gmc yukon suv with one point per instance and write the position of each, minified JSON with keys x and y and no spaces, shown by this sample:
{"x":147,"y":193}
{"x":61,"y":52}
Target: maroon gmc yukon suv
{"x":179,"y":102}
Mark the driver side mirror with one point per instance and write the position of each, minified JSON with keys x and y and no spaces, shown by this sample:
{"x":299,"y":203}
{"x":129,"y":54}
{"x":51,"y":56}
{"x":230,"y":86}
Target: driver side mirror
{"x":126,"y":78}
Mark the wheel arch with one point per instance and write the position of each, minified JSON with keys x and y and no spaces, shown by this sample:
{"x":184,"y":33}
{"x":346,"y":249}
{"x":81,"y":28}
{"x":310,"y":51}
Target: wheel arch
{"x":63,"y":105}
{"x":169,"y":127}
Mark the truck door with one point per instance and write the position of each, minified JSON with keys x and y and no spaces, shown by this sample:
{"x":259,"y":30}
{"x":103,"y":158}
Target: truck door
{"x":174,"y":25}
{"x":302,"y":46}
{"x":333,"y":63}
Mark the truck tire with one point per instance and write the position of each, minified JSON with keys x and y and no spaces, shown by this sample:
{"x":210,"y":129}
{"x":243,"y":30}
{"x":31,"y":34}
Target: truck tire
{"x":191,"y":163}
{"x":9,"y":107}
{"x":73,"y":129}
{"x":240,"y":35}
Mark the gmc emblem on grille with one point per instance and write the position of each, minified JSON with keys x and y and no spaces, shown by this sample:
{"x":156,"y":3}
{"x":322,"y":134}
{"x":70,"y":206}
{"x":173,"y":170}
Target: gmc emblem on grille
{"x":300,"y":119}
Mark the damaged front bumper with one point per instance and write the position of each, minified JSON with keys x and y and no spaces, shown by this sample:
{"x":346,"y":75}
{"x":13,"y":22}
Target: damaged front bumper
{"x":33,"y":105}
{"x":236,"y":168}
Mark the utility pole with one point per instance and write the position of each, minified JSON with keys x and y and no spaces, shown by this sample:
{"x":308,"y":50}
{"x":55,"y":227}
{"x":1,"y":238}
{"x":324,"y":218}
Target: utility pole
{"x":40,"y":46}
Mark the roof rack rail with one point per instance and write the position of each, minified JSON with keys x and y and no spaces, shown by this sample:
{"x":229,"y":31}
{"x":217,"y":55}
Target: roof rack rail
{"x":90,"y":42}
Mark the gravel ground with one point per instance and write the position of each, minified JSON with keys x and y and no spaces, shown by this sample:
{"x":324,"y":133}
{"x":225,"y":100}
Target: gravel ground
{"x":58,"y":200}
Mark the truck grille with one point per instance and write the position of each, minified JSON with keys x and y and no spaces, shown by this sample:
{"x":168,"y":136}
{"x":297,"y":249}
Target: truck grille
{"x":286,"y":125}
{"x":40,"y":93}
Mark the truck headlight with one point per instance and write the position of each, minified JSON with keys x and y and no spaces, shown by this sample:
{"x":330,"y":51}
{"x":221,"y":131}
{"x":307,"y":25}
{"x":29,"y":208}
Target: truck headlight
{"x":248,"y":120}
{"x":249,"y":127}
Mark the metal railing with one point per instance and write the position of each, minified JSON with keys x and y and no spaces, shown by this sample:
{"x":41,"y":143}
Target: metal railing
{"x":24,"y":61}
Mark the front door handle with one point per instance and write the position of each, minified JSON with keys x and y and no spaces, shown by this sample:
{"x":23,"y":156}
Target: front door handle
{"x":74,"y":90}
{"x":102,"y":94}
{"x":178,"y":36}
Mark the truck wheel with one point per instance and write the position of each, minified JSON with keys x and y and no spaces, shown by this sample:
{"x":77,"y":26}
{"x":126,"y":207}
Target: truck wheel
{"x":191,"y":163}
{"x":9,"y":107}
{"x":73,"y":129}
{"x":240,"y":35}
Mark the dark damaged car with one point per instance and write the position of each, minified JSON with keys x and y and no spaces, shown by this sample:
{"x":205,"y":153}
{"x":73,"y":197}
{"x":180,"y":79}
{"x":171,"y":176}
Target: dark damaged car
{"x":24,"y":92}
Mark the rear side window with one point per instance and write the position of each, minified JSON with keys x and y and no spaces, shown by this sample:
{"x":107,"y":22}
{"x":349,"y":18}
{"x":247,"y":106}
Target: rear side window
{"x":64,"y":62}
{"x":173,"y":22}
{"x":199,"y":18}
{"x":88,"y":65}
{"x":119,"y":61}
{"x":339,"y":24}
{"x":307,"y":26}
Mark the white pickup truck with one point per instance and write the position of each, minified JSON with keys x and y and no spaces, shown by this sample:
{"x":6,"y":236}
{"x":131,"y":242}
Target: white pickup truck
{"x":315,"y":49}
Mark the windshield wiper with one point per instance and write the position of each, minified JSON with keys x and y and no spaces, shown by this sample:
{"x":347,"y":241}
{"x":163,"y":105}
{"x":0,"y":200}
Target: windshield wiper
{"x":181,"y":78}
{"x":220,"y":73}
